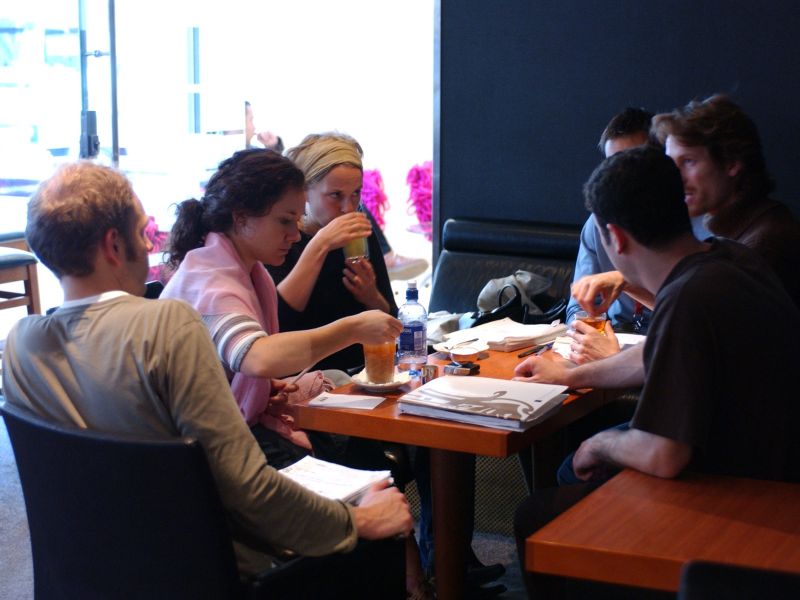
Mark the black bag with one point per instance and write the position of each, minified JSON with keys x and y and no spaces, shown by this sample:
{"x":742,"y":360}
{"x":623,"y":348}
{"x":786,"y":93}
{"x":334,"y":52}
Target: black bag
{"x":509,"y":304}
{"x":511,"y":308}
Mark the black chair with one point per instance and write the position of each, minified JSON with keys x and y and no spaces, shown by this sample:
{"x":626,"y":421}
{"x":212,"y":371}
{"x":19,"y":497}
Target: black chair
{"x":125,"y":517}
{"x":111,"y":517}
{"x":701,"y":580}
{"x":153,"y":289}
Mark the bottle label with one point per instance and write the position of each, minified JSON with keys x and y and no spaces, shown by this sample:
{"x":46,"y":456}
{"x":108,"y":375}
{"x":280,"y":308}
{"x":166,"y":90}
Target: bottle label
{"x":413,"y":338}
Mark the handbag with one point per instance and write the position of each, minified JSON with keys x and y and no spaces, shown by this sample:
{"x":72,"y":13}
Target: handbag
{"x":511,"y":308}
{"x":522,"y":297}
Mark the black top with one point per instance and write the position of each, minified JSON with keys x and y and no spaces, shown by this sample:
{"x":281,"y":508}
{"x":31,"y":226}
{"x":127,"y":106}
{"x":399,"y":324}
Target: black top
{"x":719,"y":365}
{"x":329,"y":299}
{"x":769,"y":228}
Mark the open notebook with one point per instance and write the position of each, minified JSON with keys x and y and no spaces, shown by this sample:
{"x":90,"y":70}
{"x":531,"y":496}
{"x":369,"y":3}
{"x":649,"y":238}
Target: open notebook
{"x":334,"y":481}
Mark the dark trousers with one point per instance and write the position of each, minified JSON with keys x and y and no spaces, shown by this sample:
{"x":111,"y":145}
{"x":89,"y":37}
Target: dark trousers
{"x":345,"y":450}
{"x":375,"y":569}
{"x":535,"y":512}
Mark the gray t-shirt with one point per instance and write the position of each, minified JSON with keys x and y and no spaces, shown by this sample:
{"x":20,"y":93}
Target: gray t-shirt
{"x":148,"y":367}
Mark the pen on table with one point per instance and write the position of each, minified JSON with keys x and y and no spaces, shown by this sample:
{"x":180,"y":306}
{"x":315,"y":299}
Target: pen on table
{"x":541,"y":348}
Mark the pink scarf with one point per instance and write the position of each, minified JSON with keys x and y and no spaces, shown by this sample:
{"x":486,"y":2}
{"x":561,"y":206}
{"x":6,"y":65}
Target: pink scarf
{"x":213,"y":279}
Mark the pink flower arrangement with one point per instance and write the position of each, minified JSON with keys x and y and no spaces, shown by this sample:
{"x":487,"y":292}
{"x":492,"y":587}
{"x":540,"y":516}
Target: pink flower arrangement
{"x":373,"y":196}
{"x":159,"y":241}
{"x":420,"y":182}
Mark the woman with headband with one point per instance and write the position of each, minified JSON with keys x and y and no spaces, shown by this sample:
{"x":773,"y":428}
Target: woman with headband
{"x":316,"y":284}
{"x":247,"y":217}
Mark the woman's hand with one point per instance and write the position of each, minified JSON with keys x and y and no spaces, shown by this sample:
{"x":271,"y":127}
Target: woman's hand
{"x":359,"y":280}
{"x":374,"y":327}
{"x":341,"y":230}
{"x":279,"y":397}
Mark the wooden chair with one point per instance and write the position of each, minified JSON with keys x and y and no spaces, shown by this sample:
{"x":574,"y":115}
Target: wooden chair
{"x":14,"y":239}
{"x":17,"y":265}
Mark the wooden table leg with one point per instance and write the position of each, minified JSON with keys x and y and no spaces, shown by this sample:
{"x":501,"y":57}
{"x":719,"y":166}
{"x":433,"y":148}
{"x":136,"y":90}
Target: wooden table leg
{"x":452,"y":478}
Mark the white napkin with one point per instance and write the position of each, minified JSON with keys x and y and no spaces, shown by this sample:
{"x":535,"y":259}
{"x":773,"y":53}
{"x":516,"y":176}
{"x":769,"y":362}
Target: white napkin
{"x":346,"y":401}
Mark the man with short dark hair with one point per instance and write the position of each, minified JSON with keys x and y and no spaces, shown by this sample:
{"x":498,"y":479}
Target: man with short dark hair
{"x":714,"y":377}
{"x":111,"y":361}
{"x":627,"y":129}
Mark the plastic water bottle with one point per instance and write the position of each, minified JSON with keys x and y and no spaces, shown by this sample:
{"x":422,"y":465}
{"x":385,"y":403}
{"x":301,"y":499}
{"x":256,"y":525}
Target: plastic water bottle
{"x":412,"y":345}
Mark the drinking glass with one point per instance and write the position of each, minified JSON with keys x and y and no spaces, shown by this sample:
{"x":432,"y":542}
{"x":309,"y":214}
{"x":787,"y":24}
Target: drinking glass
{"x":379,"y":362}
{"x":356,"y":249}
{"x":597,"y":321}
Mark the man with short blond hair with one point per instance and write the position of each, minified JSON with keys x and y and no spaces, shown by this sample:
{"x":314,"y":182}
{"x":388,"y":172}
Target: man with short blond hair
{"x":111,"y":361}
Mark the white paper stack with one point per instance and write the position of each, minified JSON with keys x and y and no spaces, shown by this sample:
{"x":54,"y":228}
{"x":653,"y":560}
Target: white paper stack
{"x":334,"y":481}
{"x":499,"y":403}
{"x":506,"y":335}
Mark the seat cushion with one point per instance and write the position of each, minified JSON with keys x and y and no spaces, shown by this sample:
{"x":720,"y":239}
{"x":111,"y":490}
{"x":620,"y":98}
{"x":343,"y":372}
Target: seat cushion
{"x":7,"y":236}
{"x":10,"y":257}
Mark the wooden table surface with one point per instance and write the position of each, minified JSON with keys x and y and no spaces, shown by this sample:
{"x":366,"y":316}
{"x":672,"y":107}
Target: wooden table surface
{"x":452,"y":447}
{"x":386,"y":423}
{"x":639,"y":530}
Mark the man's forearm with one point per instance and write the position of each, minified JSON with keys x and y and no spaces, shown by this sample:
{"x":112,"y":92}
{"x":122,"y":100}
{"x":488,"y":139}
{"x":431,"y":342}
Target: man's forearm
{"x":622,"y":370}
{"x":640,"y":450}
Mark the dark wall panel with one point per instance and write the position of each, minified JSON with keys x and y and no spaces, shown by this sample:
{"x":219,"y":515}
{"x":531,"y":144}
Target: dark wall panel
{"x":526,"y":87}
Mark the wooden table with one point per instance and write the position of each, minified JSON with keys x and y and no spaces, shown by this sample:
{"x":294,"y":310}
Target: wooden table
{"x":452,"y":445}
{"x":639,"y":530}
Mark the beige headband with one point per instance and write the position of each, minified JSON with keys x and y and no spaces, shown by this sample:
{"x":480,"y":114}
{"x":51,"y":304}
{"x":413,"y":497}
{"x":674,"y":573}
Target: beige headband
{"x":319,"y":153}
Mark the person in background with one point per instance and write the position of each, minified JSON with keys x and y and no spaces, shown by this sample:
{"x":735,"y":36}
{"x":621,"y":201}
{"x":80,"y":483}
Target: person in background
{"x":316,"y":284}
{"x":718,"y":151}
{"x":247,"y":217}
{"x":111,"y":361}
{"x":627,"y":129}
{"x":259,"y":139}
{"x":701,"y":407}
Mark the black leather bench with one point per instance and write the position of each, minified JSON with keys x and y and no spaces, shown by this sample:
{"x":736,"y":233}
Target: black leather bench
{"x":473,"y":252}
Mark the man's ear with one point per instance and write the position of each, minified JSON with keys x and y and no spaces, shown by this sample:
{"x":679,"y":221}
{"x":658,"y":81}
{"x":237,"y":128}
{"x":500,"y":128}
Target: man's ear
{"x":734,"y":168}
{"x":618,"y":237}
{"x":111,"y":247}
